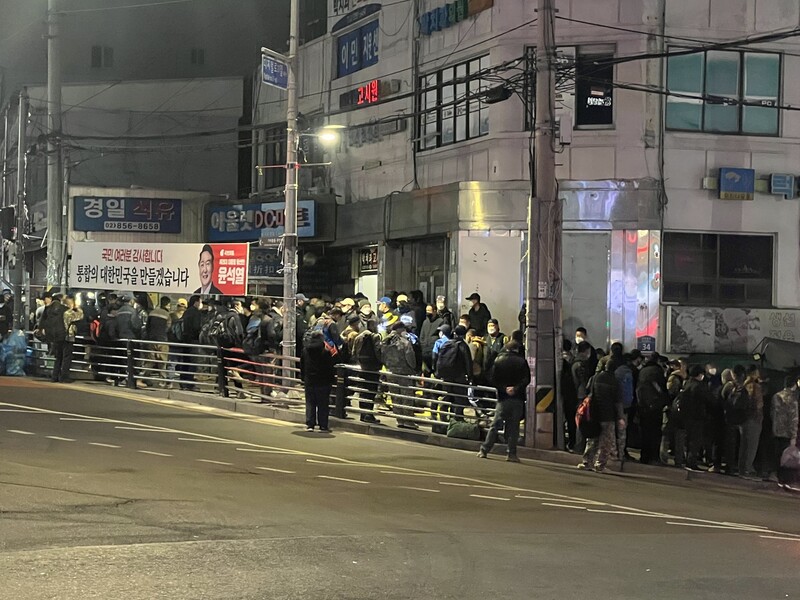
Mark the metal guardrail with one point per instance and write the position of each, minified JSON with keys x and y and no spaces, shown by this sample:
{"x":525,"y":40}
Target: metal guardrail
{"x":409,"y":401}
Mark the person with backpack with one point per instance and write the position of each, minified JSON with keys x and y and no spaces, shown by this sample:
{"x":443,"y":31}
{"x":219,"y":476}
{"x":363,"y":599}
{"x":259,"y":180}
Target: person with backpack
{"x":318,"y":371}
{"x":366,"y":347}
{"x":454,"y":368}
{"x":675,"y":383}
{"x":228,"y":335}
{"x":55,"y":334}
{"x":606,"y":411}
{"x":349,"y":336}
{"x":511,"y":376}
{"x":72,"y":316}
{"x":397,"y":355}
{"x":581,"y":371}
{"x":428,"y":335}
{"x":652,"y":398}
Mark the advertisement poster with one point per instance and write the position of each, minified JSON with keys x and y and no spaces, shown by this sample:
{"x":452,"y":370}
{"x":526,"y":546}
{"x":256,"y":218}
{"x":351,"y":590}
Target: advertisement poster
{"x":166,"y":268}
{"x":728,"y":330}
{"x":250,"y":222}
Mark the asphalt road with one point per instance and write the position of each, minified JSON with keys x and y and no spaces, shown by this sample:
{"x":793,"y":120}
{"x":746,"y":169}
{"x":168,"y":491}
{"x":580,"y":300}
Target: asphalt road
{"x":107,"y":494}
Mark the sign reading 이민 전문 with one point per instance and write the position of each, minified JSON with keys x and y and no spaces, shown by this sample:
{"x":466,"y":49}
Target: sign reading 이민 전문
{"x":166,"y":268}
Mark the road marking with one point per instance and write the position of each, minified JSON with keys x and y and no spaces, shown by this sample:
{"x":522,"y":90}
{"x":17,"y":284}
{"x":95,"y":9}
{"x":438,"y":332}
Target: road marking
{"x":489,"y":497}
{"x":266,"y":451}
{"x":214,"y":462}
{"x":324,"y":462}
{"x":411,"y":474}
{"x":776,"y":537}
{"x":622,"y":512}
{"x":707,"y":526}
{"x":454,"y":484}
{"x":19,"y":431}
{"x":341,"y":479}
{"x":16,"y":410}
{"x":144,"y":428}
{"x":549,"y":499}
{"x":183,"y":439}
{"x":85,"y":419}
{"x":563,"y":505}
{"x":60,"y":439}
{"x":276,"y":470}
{"x":153,"y":453}
{"x":103,"y":445}
{"x":419,"y":489}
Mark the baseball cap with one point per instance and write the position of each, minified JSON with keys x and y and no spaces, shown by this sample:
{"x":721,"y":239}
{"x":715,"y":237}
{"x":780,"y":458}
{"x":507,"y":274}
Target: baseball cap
{"x":402,"y":298}
{"x":183,"y":302}
{"x":365,"y":309}
{"x":301,"y":297}
{"x":348,"y":302}
{"x":440,"y":298}
{"x":385,"y":300}
{"x":474,"y":296}
{"x":445,"y":329}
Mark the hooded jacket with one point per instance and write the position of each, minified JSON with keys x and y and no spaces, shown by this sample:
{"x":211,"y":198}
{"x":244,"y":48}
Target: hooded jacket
{"x":479,"y":318}
{"x":511,"y":370}
{"x":317,"y":364}
{"x":397,"y":354}
{"x":429,"y":334}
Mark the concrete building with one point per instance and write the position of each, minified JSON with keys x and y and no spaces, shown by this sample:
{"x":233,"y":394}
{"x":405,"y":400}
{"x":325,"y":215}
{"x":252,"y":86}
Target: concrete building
{"x":434,"y":181}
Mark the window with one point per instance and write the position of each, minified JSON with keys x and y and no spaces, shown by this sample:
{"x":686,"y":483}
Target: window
{"x":198,"y":56}
{"x":102,"y":57}
{"x":449,"y":106}
{"x":594,"y":91}
{"x":357,"y":49}
{"x":709,"y":86}
{"x":717,"y":270}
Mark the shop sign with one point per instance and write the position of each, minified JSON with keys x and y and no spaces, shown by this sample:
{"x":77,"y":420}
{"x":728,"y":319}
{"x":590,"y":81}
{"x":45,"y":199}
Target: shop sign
{"x":166,"y":268}
{"x":372,"y":133}
{"x":450,"y":14}
{"x":250,"y":222}
{"x":265,"y":262}
{"x":368,"y":260}
{"x":358,"y":11}
{"x":646,"y":343}
{"x":123,"y":214}
{"x":357,"y":49}
{"x":782,"y":184}
{"x":736,"y":184}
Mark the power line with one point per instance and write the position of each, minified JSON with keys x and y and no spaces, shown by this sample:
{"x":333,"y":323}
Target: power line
{"x":124,"y":7}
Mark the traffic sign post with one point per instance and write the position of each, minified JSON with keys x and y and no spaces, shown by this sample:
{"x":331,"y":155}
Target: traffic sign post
{"x":274,"y":70}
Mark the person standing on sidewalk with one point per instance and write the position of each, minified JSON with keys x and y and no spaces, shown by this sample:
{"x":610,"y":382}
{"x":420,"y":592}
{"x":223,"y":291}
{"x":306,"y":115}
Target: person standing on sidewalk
{"x":606,"y":410}
{"x":318,"y":371}
{"x":72,"y":315}
{"x":511,"y":375}
{"x":784,"y":412}
{"x":156,"y":329}
{"x":751,"y":428}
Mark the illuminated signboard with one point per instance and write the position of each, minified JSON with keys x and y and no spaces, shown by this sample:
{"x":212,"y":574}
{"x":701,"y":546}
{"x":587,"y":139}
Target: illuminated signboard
{"x":357,"y":49}
{"x":363,"y":95}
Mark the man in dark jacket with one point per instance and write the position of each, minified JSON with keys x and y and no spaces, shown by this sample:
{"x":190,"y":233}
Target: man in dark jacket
{"x":606,"y":409}
{"x":366,"y":347}
{"x":691,"y":407}
{"x":479,"y":314}
{"x":428,"y":335}
{"x":318,"y":369}
{"x":192,"y":323}
{"x":494,"y":343}
{"x":397,"y":355}
{"x":6,"y":313}
{"x":55,"y":333}
{"x":156,"y":331}
{"x":456,"y":372}
{"x":511,"y":376}
{"x":651,"y":396}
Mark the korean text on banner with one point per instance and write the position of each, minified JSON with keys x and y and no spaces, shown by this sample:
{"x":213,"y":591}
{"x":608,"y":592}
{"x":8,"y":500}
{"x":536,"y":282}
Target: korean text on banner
{"x":167,"y":268}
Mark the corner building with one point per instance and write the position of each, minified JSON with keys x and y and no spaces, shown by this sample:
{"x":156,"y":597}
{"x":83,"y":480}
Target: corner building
{"x":669,"y":138}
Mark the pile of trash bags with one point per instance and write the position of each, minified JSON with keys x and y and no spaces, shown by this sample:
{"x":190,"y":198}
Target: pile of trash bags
{"x":13,"y":352}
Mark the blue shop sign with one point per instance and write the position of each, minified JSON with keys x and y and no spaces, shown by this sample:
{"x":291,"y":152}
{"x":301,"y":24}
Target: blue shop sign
{"x":357,"y":49}
{"x":443,"y":17}
{"x":251,"y":222}
{"x":737,"y":184}
{"x":265,"y":262}
{"x":783,"y":184}
{"x":140,"y":215}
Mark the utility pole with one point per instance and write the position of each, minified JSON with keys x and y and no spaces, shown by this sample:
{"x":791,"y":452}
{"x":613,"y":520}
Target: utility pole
{"x":55,"y":206}
{"x":543,"y":232}
{"x":292,"y":171}
{"x":18,"y":279}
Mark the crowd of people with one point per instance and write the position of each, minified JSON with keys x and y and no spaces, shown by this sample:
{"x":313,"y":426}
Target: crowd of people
{"x":688,"y":416}
{"x":677,"y":414}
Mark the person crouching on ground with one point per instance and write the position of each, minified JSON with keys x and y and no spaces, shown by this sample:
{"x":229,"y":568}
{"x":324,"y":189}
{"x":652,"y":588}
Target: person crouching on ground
{"x":318,"y":370}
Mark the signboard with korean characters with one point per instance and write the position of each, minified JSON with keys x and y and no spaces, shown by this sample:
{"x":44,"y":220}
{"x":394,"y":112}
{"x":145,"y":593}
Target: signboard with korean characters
{"x":251,"y":222}
{"x":140,"y":215}
{"x":213,"y":269}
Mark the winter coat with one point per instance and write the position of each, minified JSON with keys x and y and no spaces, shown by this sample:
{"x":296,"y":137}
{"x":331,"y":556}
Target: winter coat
{"x":581,"y":373}
{"x":756,"y":393}
{"x":493,"y":346}
{"x":624,"y":377}
{"x":785,"y":414}
{"x":397,"y":354}
{"x":651,"y":391}
{"x":695,"y":399}
{"x":429,"y":334}
{"x":479,"y":318}
{"x":129,"y":324}
{"x":511,"y":370}
{"x":53,"y":322}
{"x":6,"y":318}
{"x":477,"y":350}
{"x":606,"y":406}
{"x":317,"y":365}
{"x":192,"y":322}
{"x":368,"y":360}
{"x":71,"y":318}
{"x":447,"y":317}
{"x":158,"y":322}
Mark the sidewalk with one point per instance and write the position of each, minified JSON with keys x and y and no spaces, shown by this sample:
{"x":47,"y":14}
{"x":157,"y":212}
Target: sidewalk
{"x":290,"y":414}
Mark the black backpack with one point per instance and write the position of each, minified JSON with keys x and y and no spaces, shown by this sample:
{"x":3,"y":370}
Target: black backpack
{"x":737,"y":406}
{"x":224,"y":331}
{"x":253,"y":343}
{"x":448,"y":365}
{"x":176,"y":331}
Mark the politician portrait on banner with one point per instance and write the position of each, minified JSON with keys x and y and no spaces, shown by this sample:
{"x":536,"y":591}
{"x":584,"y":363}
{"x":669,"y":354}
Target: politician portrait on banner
{"x":168,"y":268}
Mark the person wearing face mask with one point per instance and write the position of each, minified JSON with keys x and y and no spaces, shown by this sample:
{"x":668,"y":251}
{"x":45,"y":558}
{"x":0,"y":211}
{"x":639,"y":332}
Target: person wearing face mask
{"x":494,"y":342}
{"x":581,"y":336}
{"x":443,"y":312}
{"x":428,"y":336}
{"x":714,"y":431}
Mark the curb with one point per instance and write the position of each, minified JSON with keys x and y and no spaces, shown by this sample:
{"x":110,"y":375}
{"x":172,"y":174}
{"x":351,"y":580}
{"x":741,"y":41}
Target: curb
{"x":287,"y":414}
